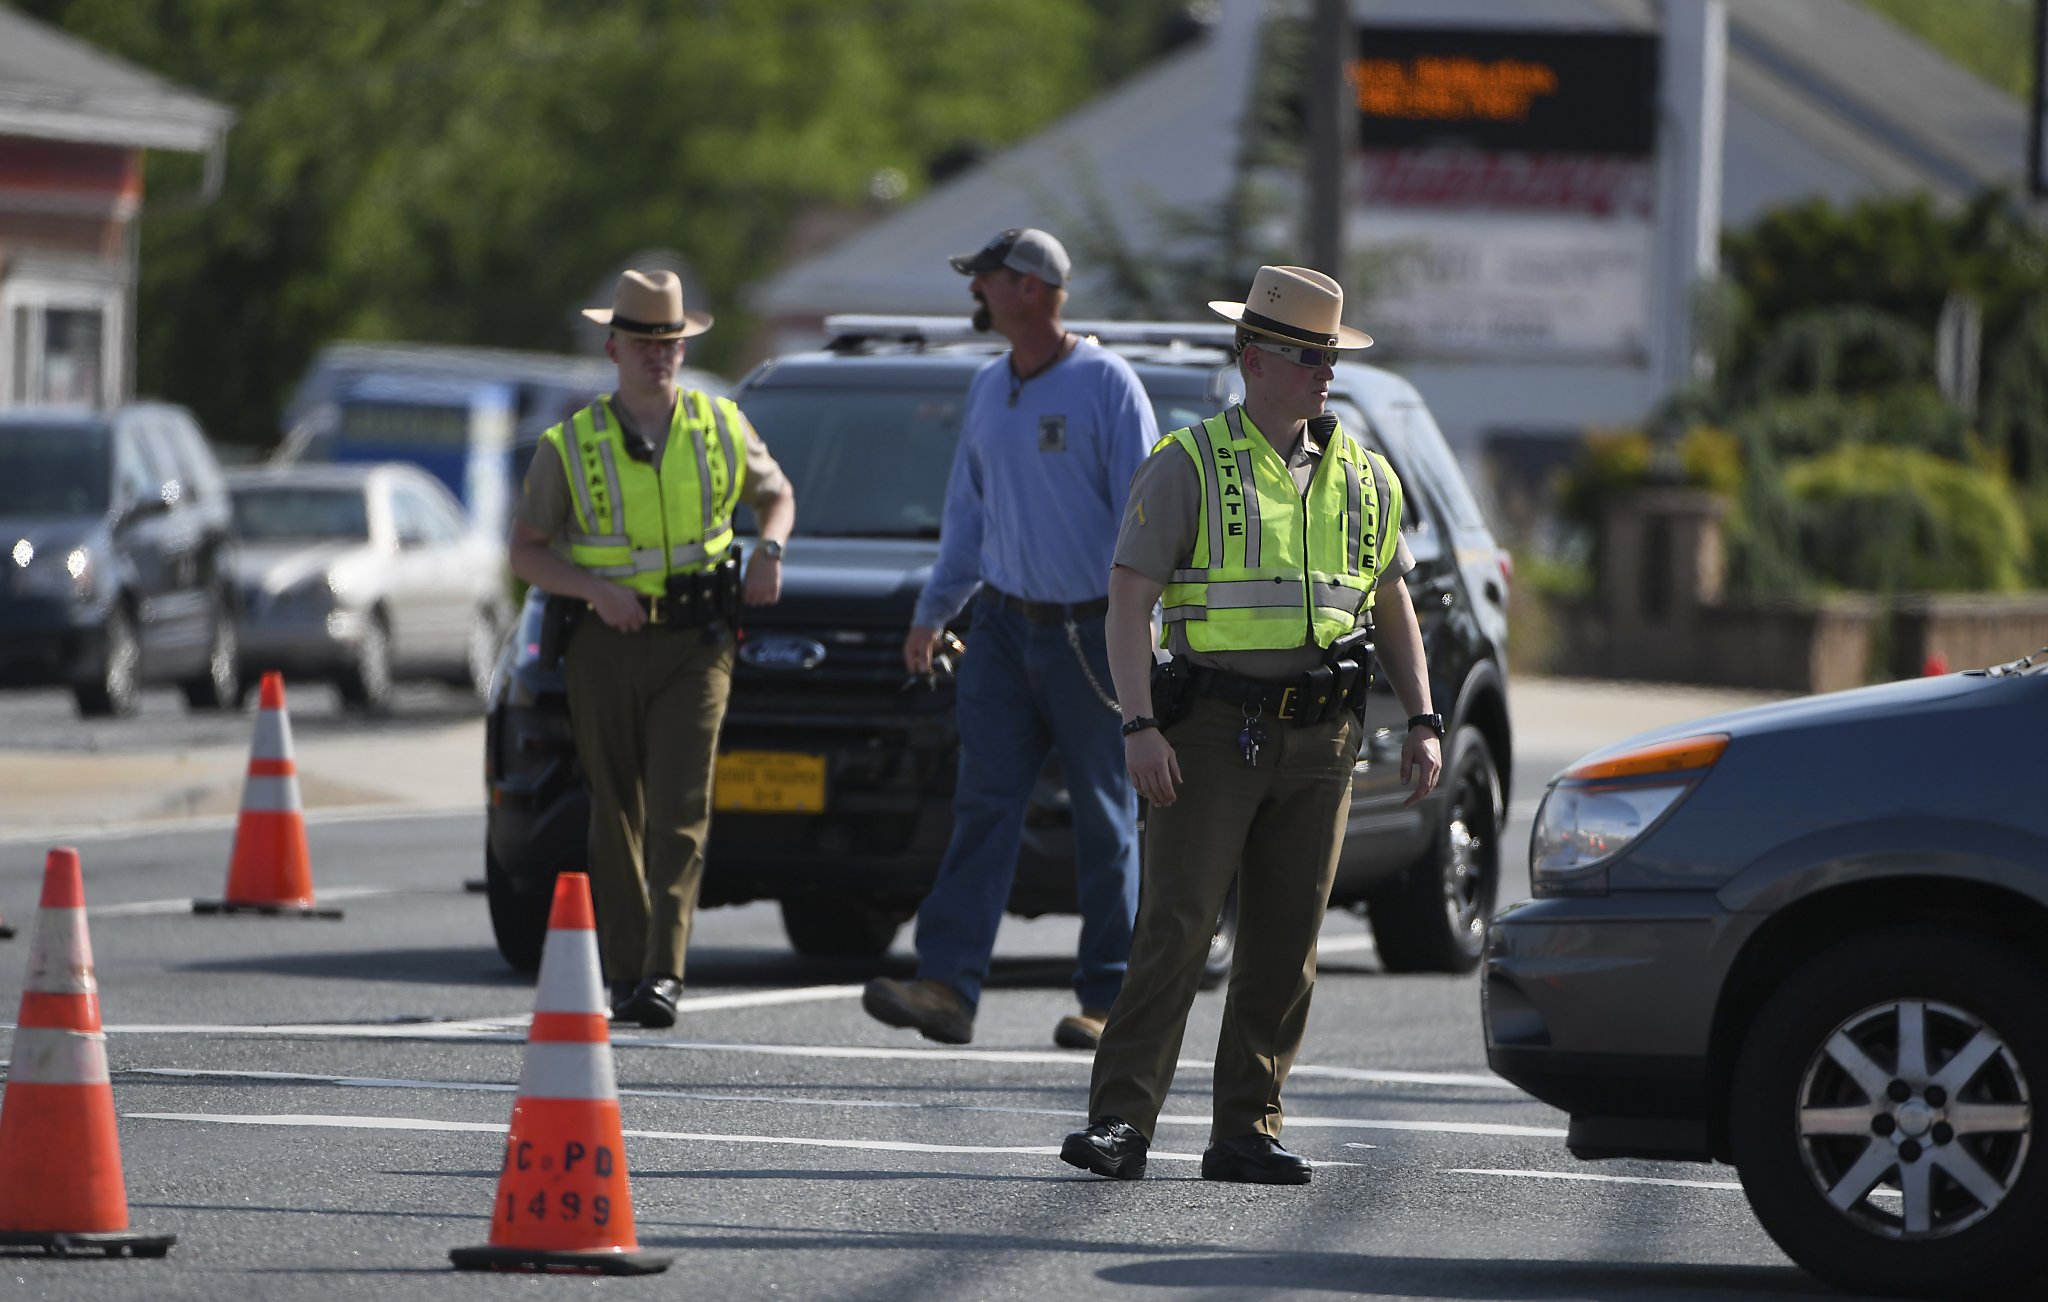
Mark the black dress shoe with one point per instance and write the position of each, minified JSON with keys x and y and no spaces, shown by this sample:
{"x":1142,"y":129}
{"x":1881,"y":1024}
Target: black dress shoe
{"x":653,"y":1002}
{"x":617,"y":995}
{"x":1254,"y":1159}
{"x":1111,"y":1147}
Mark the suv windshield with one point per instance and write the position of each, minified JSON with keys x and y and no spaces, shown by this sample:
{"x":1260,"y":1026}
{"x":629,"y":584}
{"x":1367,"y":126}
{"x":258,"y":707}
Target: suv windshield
{"x":866,"y":463}
{"x":54,"y":470}
{"x":268,"y":514}
{"x":873,"y":463}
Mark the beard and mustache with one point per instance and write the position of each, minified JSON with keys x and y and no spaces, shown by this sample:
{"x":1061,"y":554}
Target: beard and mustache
{"x":982,"y":320}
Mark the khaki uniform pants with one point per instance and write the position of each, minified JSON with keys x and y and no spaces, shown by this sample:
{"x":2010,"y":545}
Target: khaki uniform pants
{"x":1278,"y":828}
{"x":645,"y":708}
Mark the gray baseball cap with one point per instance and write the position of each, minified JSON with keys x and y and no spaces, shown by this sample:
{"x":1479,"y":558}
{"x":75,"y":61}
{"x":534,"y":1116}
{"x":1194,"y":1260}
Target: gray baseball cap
{"x":1023,"y":249}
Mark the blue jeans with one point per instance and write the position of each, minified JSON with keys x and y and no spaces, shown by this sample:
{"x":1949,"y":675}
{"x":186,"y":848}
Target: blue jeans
{"x":1021,"y":693}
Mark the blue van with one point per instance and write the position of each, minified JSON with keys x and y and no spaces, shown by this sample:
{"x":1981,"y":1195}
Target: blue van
{"x":469,"y":416}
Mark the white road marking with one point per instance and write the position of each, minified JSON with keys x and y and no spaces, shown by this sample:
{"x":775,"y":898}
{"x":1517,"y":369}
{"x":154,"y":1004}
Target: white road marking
{"x":500,"y":1031}
{"x":1623,"y":1179}
{"x":141,"y":908}
{"x":808,"y":1101}
{"x":1598,"y":1179}
{"x":318,"y":1121}
{"x":227,"y":822}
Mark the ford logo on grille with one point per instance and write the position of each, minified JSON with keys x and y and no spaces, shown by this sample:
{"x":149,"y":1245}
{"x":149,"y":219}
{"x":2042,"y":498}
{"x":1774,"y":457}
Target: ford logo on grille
{"x":783,"y":653}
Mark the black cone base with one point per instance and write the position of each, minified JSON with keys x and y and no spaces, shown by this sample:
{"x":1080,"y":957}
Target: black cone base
{"x":267,"y":910}
{"x":111,"y":1243}
{"x":633,"y":1262}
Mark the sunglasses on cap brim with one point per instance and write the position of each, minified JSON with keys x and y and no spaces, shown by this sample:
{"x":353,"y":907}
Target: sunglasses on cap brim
{"x":1301,"y":354}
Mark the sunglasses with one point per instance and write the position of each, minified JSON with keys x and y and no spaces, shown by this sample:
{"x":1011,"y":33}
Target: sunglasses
{"x":1302,"y":354}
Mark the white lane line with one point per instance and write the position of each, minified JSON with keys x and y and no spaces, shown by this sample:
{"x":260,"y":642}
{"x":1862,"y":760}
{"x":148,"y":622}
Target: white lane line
{"x":1043,"y":1057}
{"x":810,"y":1101}
{"x":500,"y":1031}
{"x":127,"y":831}
{"x":1597,"y":1179}
{"x":1623,"y":1179}
{"x":318,"y":1121}
{"x":143,"y":908}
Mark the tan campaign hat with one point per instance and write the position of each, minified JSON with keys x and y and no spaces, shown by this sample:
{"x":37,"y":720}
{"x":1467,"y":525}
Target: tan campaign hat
{"x":1295,"y":305}
{"x":650,"y":305}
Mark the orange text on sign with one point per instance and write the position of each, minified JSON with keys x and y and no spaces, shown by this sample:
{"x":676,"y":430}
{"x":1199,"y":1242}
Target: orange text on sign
{"x":1450,"y":88}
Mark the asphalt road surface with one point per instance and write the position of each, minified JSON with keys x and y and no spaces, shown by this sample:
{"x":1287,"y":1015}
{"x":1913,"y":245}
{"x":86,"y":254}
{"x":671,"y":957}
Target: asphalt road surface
{"x":315,"y":1109}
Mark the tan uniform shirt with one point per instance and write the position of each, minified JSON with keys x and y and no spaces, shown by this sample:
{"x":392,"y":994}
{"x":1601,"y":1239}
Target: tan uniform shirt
{"x":545,"y":503}
{"x":1158,"y":537}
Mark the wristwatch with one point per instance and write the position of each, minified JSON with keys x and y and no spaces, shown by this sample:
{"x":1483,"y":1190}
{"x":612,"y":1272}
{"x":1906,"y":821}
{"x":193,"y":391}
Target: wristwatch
{"x":1140,"y":723}
{"x":771,"y":548}
{"x":1433,"y":722}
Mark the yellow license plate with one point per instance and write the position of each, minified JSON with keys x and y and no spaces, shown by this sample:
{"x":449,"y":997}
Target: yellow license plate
{"x":769,"y":782}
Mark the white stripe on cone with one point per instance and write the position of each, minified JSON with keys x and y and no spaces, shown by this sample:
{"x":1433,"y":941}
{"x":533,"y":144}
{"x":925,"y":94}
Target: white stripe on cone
{"x":268,"y":795}
{"x":556,"y":1070}
{"x":46,"y":1055}
{"x":273,"y":739}
{"x":60,"y":960}
{"x":569,"y":980}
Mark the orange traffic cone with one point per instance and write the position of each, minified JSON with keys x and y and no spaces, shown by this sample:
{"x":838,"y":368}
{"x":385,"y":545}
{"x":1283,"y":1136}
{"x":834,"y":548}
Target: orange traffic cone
{"x":270,"y":871}
{"x":60,"y":1160}
{"x":563,"y":1200}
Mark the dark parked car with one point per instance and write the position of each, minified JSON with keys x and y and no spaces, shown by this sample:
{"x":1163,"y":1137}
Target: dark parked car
{"x":119,"y":549}
{"x":836,"y":779}
{"x":1809,"y":939}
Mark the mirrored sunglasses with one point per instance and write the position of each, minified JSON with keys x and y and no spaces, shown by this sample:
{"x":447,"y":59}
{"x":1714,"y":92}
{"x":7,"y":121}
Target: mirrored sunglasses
{"x":1302,"y":354}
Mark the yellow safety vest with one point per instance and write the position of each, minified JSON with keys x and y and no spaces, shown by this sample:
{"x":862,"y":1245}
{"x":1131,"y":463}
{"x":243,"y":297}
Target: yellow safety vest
{"x":635,"y":527}
{"x":1270,"y":569}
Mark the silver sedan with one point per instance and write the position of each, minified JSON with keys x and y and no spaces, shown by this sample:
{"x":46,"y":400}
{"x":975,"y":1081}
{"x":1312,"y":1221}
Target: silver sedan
{"x":362,"y":575}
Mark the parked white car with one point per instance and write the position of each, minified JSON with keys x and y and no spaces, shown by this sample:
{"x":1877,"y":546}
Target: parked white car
{"x":363,"y":575}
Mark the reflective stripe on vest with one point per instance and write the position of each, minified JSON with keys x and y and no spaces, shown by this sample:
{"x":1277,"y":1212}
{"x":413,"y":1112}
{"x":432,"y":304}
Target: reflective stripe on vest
{"x":636,"y":526}
{"x":1272,"y":569}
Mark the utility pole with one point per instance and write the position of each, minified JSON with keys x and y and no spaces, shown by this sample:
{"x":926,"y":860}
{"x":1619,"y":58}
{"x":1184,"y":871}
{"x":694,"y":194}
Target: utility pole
{"x":1694,"y":93}
{"x":1331,"y":115}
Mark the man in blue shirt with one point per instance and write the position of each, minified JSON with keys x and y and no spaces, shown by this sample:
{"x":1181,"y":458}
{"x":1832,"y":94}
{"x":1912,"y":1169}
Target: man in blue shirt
{"x":1053,"y":431}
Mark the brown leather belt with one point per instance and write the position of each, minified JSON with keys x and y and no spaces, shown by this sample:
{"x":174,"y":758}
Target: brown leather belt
{"x":1051,"y":612}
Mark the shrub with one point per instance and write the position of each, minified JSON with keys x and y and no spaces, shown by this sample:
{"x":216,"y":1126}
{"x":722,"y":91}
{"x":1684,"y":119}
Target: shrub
{"x":1893,"y":519}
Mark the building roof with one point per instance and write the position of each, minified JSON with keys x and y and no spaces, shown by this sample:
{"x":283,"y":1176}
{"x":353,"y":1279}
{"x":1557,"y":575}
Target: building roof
{"x":1166,"y":138}
{"x":1824,"y":98}
{"x":56,"y":87}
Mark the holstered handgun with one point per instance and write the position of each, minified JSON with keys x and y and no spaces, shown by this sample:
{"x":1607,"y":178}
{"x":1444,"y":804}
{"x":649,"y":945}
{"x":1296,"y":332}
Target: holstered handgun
{"x":559,"y":617}
{"x":1349,"y":660}
{"x":1173,"y":691}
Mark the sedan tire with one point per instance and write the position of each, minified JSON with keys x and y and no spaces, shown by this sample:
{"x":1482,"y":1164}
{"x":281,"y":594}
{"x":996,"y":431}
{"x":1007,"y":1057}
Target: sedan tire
{"x":1881,"y":1114}
{"x":365,"y":686}
{"x":219,"y":685}
{"x":115,"y":686}
{"x":1433,"y":917}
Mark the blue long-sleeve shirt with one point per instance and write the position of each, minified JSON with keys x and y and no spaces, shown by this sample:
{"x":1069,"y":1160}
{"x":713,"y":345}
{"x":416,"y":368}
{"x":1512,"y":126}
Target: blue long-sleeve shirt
{"x":1037,"y":490}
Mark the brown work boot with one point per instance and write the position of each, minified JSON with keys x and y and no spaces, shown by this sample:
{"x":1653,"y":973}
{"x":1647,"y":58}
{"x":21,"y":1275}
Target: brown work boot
{"x":932,"y":1008}
{"x":1082,"y":1030}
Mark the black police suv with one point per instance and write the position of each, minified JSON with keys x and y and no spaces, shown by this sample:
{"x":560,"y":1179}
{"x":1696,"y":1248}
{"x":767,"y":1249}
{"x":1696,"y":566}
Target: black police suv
{"x":116,"y":557}
{"x":836,"y":769}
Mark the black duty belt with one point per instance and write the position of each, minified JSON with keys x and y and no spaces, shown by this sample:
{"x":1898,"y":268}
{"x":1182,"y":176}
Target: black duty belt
{"x":1274,"y":700}
{"x":1051,"y":612}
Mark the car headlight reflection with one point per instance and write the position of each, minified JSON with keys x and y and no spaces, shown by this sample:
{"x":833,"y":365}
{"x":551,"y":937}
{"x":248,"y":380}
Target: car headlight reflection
{"x":1600,"y":808}
{"x":54,"y":574}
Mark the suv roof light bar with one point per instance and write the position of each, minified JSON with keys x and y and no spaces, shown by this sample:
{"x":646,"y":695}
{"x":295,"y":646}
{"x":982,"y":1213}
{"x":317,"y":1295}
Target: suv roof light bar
{"x":850,"y":328}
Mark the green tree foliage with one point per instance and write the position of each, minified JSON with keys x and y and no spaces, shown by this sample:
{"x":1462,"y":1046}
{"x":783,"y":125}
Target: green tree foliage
{"x":469,"y":171}
{"x":1903,"y":520}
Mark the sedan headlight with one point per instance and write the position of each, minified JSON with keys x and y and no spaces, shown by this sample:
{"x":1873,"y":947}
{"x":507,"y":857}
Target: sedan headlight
{"x":1599,"y":809}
